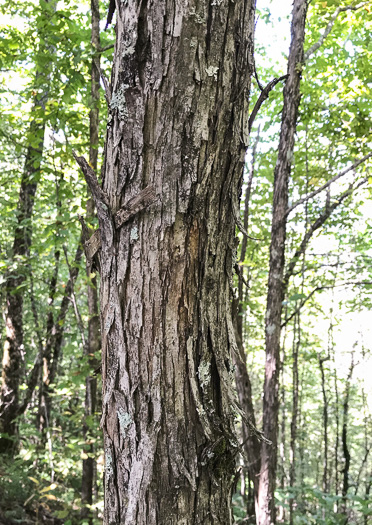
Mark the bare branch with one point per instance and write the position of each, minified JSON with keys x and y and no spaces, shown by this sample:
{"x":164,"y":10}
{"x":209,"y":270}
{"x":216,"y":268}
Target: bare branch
{"x":319,"y":289}
{"x":248,"y":196}
{"x":329,"y":27}
{"x":92,"y":181}
{"x":106,"y":48}
{"x":263,"y":96}
{"x":315,"y":226}
{"x":327,"y":184}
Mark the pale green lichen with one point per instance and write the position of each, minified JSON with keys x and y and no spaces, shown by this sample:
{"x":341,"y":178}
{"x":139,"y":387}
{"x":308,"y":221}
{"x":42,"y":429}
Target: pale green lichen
{"x":204,"y":374}
{"x":129,"y":50}
{"x":212,"y":71}
{"x":119,"y":102}
{"x":134,"y":234}
{"x":108,"y":461}
{"x":124,"y":421}
{"x":198,"y":19}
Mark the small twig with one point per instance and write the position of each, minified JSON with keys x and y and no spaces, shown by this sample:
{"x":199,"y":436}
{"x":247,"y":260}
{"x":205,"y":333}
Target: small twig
{"x":106,"y":85}
{"x":73,"y":300}
{"x":106,"y":48}
{"x":319,"y":289}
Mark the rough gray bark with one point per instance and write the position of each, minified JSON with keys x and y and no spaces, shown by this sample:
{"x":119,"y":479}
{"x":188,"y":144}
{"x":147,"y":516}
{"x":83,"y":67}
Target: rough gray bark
{"x":178,"y":121}
{"x":275,"y":295}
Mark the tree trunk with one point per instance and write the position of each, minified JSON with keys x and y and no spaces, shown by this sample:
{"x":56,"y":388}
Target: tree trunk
{"x":94,"y":340}
{"x":345,"y":445}
{"x":178,"y":123}
{"x":275,"y":294}
{"x":17,"y":275}
{"x":251,"y":443}
{"x":325,"y":424}
{"x":295,"y":386}
{"x":337,"y":441}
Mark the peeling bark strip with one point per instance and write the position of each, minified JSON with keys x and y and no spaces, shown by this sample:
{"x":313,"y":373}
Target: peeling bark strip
{"x":178,"y":122}
{"x":275,"y":294}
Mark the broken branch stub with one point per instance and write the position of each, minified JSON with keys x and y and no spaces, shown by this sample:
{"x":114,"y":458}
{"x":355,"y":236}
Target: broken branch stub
{"x":141,"y":201}
{"x":138,"y":203}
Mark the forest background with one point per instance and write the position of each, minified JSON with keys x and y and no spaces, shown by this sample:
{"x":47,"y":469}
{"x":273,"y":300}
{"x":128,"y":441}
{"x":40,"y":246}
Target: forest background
{"x":324,"y":460}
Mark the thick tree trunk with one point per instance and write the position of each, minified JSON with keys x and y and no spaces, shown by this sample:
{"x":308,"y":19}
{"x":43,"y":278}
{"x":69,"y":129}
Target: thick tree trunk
{"x":275,"y":294}
{"x":178,"y":122}
{"x":94,"y":342}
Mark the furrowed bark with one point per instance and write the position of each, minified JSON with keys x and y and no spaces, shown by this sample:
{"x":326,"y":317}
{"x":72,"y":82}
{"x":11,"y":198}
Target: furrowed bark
{"x":275,"y":295}
{"x":178,"y":121}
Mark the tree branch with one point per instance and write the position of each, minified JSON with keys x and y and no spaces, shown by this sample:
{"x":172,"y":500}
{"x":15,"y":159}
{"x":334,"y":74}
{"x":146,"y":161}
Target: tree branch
{"x":319,"y":289}
{"x":74,"y":303}
{"x":328,"y":210}
{"x":329,"y":28}
{"x":327,"y":184}
{"x":263,"y":96}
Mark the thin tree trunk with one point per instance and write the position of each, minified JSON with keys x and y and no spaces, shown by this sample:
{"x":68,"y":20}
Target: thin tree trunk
{"x":325,"y":425}
{"x":366,"y":519}
{"x":275,"y":295}
{"x":282,"y":446}
{"x":16,"y":277}
{"x":243,"y":384}
{"x":345,"y":445}
{"x":13,"y":357}
{"x":53,"y":343}
{"x":42,"y":415}
{"x":337,"y":444}
{"x":93,"y":342}
{"x":180,"y":85}
{"x":295,"y":387}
